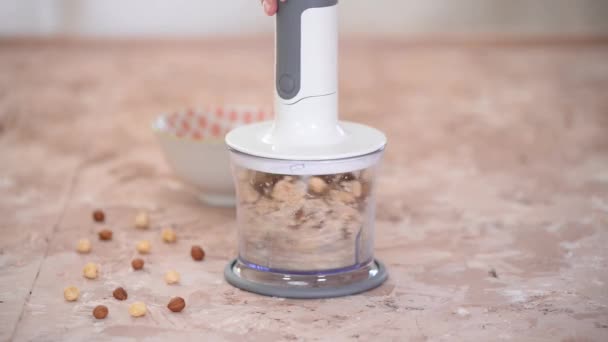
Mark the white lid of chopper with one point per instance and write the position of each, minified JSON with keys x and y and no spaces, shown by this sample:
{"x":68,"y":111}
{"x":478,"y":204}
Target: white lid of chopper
{"x":306,"y":125}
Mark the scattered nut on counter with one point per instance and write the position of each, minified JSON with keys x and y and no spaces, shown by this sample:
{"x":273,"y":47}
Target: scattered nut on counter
{"x":172,"y":277}
{"x":90,"y":270}
{"x":137,"y":309}
{"x":99,"y":216}
{"x":137,"y":264}
{"x":143,"y":247}
{"x":197,"y":253}
{"x":83,"y":246}
{"x":142,"y":220}
{"x":168,"y":235}
{"x":120,"y":293}
{"x":71,"y":293}
{"x":176,"y":304}
{"x":105,"y":235}
{"x":100,"y":311}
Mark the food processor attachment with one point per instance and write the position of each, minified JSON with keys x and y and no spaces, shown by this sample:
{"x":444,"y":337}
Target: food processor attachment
{"x":305,"y":181}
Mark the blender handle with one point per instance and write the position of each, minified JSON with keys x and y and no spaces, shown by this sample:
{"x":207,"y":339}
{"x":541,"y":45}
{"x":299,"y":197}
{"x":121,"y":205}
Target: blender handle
{"x":306,"y":42}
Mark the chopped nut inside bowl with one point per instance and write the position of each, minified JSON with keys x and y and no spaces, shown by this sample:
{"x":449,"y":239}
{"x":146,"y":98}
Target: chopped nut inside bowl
{"x":303,"y":223}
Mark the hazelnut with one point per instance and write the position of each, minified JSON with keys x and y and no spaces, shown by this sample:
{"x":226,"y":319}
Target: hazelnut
{"x":355,"y":188}
{"x":317,"y":185}
{"x":137,"y":309}
{"x":366,"y":188}
{"x":137,"y":264}
{"x":176,"y":304}
{"x":263,"y":182}
{"x":342,"y":196}
{"x":99,"y":216}
{"x":100,"y":311}
{"x":90,"y":271}
{"x":172,"y":277}
{"x":197,"y":253}
{"x":143,"y":246}
{"x":120,"y":293}
{"x":142,"y":220}
{"x":169,"y":235}
{"x":83,"y":246}
{"x":285,"y":191}
{"x":248,"y":194}
{"x":71,"y":293}
{"x":105,"y":235}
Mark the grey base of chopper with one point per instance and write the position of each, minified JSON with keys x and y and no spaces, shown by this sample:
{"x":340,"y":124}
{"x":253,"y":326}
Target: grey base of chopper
{"x":306,"y":293}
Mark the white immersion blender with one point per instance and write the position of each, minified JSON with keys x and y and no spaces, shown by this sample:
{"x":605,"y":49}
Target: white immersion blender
{"x":306,"y":181}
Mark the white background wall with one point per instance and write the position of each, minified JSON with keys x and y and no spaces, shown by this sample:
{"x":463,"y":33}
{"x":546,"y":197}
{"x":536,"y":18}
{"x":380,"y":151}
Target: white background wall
{"x":205,"y":17}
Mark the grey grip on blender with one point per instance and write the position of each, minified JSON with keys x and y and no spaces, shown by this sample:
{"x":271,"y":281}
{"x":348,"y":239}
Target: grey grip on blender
{"x":289,"y":44}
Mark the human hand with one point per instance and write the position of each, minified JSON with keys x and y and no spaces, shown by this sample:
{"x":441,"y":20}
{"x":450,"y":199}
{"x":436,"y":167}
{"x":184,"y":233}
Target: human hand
{"x":270,"y":6}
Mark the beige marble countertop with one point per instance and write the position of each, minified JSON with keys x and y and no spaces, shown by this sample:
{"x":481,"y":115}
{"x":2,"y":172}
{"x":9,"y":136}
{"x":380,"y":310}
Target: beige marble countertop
{"x":498,"y":159}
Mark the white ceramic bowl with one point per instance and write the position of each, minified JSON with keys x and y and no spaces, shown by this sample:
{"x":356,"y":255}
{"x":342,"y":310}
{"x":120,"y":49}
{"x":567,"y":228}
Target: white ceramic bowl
{"x":193,"y":145}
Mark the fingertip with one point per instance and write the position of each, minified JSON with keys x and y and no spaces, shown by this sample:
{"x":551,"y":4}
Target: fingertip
{"x":271,"y":7}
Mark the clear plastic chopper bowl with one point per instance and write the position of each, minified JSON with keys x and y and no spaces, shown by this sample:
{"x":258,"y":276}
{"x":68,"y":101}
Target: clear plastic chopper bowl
{"x":305,"y":224}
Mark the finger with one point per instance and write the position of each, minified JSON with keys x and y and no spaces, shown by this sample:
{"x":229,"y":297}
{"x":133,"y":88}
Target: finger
{"x":270,"y":7}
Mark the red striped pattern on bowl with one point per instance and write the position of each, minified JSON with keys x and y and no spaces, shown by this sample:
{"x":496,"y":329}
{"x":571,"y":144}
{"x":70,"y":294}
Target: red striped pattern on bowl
{"x":212,"y":122}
